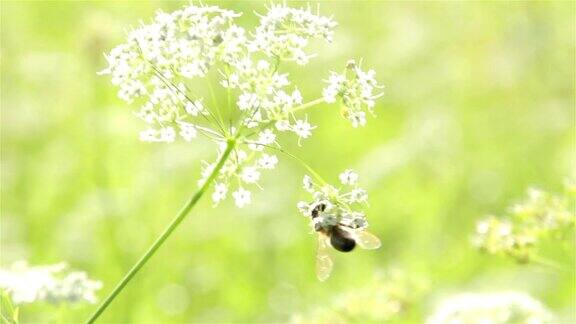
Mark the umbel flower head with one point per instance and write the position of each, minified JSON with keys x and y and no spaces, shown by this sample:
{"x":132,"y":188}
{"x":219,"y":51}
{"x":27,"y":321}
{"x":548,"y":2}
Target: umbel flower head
{"x":339,"y":205}
{"x":355,"y":89}
{"x":540,"y":216}
{"x":169,"y":67}
{"x":50,"y":283}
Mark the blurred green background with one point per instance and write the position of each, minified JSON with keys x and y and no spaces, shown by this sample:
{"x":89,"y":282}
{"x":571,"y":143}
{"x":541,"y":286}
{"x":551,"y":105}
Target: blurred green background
{"x":479,"y":105}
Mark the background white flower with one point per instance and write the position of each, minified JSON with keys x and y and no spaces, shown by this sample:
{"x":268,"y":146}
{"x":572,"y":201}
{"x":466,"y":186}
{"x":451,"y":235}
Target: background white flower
{"x":540,"y":216}
{"x":51,"y":283}
{"x":493,"y":307}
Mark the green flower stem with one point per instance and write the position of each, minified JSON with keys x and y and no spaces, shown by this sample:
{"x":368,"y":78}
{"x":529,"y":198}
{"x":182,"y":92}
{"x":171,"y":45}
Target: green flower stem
{"x":291,"y":111}
{"x":167,"y":232}
{"x":307,"y":105}
{"x":299,"y":160}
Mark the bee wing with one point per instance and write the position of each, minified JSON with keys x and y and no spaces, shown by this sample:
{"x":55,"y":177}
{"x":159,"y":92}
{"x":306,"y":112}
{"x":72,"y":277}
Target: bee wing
{"x":323,"y":261}
{"x":367,"y":240}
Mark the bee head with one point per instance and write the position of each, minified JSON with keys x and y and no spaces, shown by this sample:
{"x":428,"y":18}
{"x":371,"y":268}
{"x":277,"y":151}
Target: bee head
{"x":317,"y":209}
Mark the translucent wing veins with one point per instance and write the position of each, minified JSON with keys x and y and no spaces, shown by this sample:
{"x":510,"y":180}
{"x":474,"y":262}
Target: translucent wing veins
{"x":323,"y":261}
{"x":367,"y":240}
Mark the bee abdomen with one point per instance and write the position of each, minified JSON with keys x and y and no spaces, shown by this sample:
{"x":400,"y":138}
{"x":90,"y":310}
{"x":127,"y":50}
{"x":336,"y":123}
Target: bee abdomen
{"x":341,"y":242}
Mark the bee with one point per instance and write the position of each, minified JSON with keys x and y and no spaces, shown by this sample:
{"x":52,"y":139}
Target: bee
{"x":342,"y":237}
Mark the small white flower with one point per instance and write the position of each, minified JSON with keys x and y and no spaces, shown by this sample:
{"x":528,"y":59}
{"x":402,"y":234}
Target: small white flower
{"x":167,"y":134}
{"x":241,"y":155}
{"x":329,"y":95}
{"x":283,"y":125}
{"x":280,"y":80}
{"x":360,"y":222}
{"x":348,"y":177}
{"x":149,"y":135}
{"x":194,"y":108}
{"x":268,"y":161}
{"x":247,"y":101}
{"x":335,"y":82}
{"x":250,"y":175}
{"x":220,"y":191}
{"x":304,"y":208}
{"x":242,"y":197}
{"x":297,"y":97}
{"x":51,"y":283}
{"x":308,"y":184}
{"x":187,"y":131}
{"x":266,"y":137}
{"x":303,"y":129}
{"x":147,"y":113}
{"x":358,"y":195}
{"x":358,"y":118}
{"x":263,"y":65}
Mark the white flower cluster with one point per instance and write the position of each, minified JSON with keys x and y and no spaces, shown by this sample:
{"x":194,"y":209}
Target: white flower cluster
{"x":157,"y":57}
{"x":264,"y":99}
{"x":355,"y":89}
{"x":540,"y":216}
{"x":243,"y":168}
{"x":284,"y":32}
{"x":49,"y":283}
{"x":498,"y":307}
{"x":155,"y":67}
{"x":337,"y":204}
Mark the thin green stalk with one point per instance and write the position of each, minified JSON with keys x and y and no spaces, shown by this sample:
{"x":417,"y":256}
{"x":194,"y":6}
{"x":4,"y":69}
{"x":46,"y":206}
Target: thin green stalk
{"x":291,"y":111}
{"x":216,"y":105}
{"x":299,"y":160}
{"x":307,"y":105}
{"x":167,"y":232}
